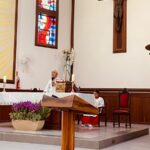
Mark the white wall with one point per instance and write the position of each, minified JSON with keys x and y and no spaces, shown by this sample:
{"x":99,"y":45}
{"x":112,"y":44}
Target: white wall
{"x":95,"y":64}
{"x":42,"y":60}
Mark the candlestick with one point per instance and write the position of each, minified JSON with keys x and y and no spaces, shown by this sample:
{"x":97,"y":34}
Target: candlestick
{"x":4,"y":83}
{"x":72,"y":88}
{"x":4,"y":79}
{"x":4,"y":87}
{"x":73,"y":78}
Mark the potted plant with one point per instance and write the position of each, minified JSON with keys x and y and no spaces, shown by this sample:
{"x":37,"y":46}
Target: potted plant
{"x":28,"y":116}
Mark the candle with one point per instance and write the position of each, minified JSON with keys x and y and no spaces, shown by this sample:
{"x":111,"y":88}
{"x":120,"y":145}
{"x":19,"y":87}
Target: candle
{"x":4,"y":79}
{"x":73,"y":77}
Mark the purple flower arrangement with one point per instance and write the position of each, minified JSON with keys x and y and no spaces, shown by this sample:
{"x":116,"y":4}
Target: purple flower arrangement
{"x":29,"y":111}
{"x":26,"y":106}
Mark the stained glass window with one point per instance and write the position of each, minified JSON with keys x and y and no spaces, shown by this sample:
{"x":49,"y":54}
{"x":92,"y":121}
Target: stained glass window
{"x":48,"y":4}
{"x":46,"y":30}
{"x":47,"y":23}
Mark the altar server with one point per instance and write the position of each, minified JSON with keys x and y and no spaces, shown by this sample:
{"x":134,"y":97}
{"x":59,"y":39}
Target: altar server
{"x":89,"y":119}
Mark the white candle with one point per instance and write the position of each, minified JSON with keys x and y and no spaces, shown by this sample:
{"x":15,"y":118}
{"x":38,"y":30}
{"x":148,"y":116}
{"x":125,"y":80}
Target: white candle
{"x":73,"y":77}
{"x":4,"y":79}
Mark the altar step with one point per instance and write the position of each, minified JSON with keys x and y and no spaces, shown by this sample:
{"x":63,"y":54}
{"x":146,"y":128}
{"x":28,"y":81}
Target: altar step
{"x":92,"y":138}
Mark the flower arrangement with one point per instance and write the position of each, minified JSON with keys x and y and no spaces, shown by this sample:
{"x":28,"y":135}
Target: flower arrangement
{"x":29,"y":111}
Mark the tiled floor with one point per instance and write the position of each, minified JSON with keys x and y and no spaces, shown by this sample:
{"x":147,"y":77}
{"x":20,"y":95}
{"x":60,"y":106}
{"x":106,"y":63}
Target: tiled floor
{"x":142,"y":143}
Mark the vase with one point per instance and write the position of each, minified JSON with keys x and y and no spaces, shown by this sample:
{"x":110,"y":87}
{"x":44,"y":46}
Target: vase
{"x":28,"y":125}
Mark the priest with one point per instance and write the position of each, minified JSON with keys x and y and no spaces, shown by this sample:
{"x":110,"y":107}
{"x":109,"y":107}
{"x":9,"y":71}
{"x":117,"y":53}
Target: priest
{"x":51,"y":85}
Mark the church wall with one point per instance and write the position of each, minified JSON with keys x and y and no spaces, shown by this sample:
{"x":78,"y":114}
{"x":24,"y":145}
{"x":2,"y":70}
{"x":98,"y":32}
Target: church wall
{"x":40,"y":60}
{"x":95,"y":65}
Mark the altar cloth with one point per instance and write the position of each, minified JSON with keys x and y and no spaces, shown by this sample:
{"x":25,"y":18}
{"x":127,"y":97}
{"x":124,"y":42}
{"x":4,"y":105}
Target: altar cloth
{"x":8,"y":98}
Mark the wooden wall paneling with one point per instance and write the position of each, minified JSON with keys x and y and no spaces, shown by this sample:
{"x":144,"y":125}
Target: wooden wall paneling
{"x":112,"y":102}
{"x":136,"y":109}
{"x":140,"y":108}
{"x":140,"y":102}
{"x":146,"y":110}
{"x":4,"y":113}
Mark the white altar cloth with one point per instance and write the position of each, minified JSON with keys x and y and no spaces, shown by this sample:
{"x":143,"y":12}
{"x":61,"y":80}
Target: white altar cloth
{"x":8,"y":98}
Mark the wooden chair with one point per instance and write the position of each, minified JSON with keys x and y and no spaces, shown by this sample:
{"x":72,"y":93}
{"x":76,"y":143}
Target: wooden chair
{"x":78,"y":117}
{"x":123,"y":109}
{"x":102,"y":114}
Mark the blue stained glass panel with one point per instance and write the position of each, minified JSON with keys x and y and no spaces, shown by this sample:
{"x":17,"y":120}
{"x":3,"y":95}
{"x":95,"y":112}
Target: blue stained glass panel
{"x":46,"y":30}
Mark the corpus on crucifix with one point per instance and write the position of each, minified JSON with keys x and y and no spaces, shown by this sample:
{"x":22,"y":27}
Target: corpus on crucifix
{"x":118,"y":14}
{"x":119,"y":31}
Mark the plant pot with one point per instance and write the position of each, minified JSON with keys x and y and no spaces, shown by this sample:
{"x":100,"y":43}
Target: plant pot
{"x":28,"y":125}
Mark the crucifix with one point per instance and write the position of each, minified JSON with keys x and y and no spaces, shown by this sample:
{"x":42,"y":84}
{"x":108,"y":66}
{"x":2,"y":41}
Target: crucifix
{"x":119,"y":26}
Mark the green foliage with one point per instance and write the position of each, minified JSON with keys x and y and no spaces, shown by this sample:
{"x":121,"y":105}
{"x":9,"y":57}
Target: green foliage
{"x":37,"y":115}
